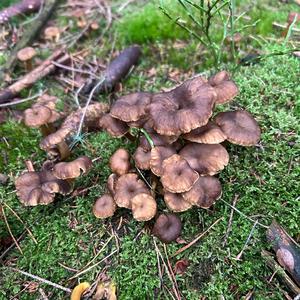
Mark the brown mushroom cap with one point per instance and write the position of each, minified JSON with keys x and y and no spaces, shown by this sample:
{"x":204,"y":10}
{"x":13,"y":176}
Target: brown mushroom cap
{"x":167,"y":227}
{"x":176,"y":202}
{"x":34,"y":188}
{"x":157,"y":139}
{"x":51,"y":32}
{"x":132,"y":107}
{"x":113,"y":126}
{"x":143,"y":206}
{"x":119,"y":162}
{"x":183,"y":109}
{"x":73,"y":169}
{"x":158,"y":155}
{"x":26,"y":54}
{"x":239,"y":126}
{"x":111,"y":183}
{"x":178,"y":176}
{"x":204,"y":192}
{"x":37,"y":116}
{"x":52,"y":140}
{"x":225,"y":88}
{"x":104,"y":207}
{"x":142,"y":158}
{"x":207,"y":134}
{"x":127,"y":187}
{"x":205,"y":159}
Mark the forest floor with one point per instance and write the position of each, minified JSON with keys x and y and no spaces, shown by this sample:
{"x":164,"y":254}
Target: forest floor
{"x":263,"y":179}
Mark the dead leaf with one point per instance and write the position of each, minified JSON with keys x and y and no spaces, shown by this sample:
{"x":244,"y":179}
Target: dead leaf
{"x":181,"y":266}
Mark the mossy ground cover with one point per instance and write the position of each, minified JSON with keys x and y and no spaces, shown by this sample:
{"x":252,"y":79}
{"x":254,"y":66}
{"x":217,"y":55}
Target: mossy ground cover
{"x":265,"y":180}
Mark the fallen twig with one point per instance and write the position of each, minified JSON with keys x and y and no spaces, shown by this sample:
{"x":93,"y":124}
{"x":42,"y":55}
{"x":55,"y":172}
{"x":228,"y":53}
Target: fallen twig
{"x":30,"y":34}
{"x":19,"y":101}
{"x":29,"y":79}
{"x":197,"y":238}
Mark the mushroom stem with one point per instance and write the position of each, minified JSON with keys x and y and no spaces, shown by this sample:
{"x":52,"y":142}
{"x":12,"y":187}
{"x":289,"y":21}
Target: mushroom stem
{"x":47,"y":129}
{"x":28,"y":65}
{"x":29,"y":165}
{"x":147,"y":136}
{"x":64,"y":150}
{"x":130,"y":136}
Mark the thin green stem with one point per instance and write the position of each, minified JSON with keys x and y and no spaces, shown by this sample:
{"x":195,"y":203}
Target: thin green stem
{"x":147,"y":136}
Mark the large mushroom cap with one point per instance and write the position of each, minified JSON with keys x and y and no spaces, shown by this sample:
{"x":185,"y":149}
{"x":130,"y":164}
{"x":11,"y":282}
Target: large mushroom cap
{"x":239,"y":126}
{"x":127,"y":187}
{"x":176,"y":202}
{"x":143,"y":206}
{"x":158,"y":155}
{"x":207,"y":134}
{"x":39,"y":188}
{"x":73,"y":169}
{"x":167,"y":227}
{"x":119,"y":162}
{"x":113,"y":126}
{"x":26,"y":54}
{"x":204,"y":192}
{"x":142,"y":158}
{"x":37,"y":116}
{"x":205,"y":159}
{"x":178,"y":176}
{"x":104,"y":207}
{"x":132,"y":107}
{"x":183,"y":109}
{"x":225,"y":88}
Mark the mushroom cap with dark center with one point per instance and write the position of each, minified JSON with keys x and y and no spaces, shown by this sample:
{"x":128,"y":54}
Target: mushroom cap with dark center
{"x":205,"y":159}
{"x":158,"y":155}
{"x":26,"y":54}
{"x":132,"y":107}
{"x":113,"y":126}
{"x":142,"y":158}
{"x":37,"y":116}
{"x":104,"y":207}
{"x":119,"y":162}
{"x":176,"y":202}
{"x":207,"y":134}
{"x":239,"y":126}
{"x":204,"y":192}
{"x":127,"y":187}
{"x":111,"y":183}
{"x":39,"y":188}
{"x":178,"y":176}
{"x":167,"y":227}
{"x":183,"y":109}
{"x":225,"y":88}
{"x":73,"y":169}
{"x":143,"y":207}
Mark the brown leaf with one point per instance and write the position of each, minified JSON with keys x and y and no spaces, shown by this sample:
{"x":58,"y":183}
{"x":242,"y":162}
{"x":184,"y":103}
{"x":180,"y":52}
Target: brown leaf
{"x":181,"y":266}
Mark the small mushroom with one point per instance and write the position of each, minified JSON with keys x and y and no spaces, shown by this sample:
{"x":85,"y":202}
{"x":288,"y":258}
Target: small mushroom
{"x":167,"y":227}
{"x":207,"y":134}
{"x":52,"y":33}
{"x":26,"y":55}
{"x":104,"y":207}
{"x":132,"y":107}
{"x":240,"y":127}
{"x":73,"y":169}
{"x":39,"y":188}
{"x":205,"y":159}
{"x":113,"y":126}
{"x":225,"y":88}
{"x":204,"y":192}
{"x":176,"y":202}
{"x":127,"y":187}
{"x":158,"y":155}
{"x":178,"y":176}
{"x":143,"y":207}
{"x":142,"y":158}
{"x":111,"y":183}
{"x":119,"y":162}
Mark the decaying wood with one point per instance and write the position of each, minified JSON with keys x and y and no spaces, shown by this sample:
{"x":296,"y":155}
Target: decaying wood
{"x":280,"y":273}
{"x":30,"y":34}
{"x":286,"y":249}
{"x":23,"y":7}
{"x":116,"y":70}
{"x":29,"y":79}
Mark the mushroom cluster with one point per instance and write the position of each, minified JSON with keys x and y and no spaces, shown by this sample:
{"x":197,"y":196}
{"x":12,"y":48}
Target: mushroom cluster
{"x":179,"y":147}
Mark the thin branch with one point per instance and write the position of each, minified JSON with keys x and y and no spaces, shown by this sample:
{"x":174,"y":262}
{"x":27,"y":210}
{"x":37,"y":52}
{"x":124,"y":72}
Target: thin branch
{"x":21,"y":100}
